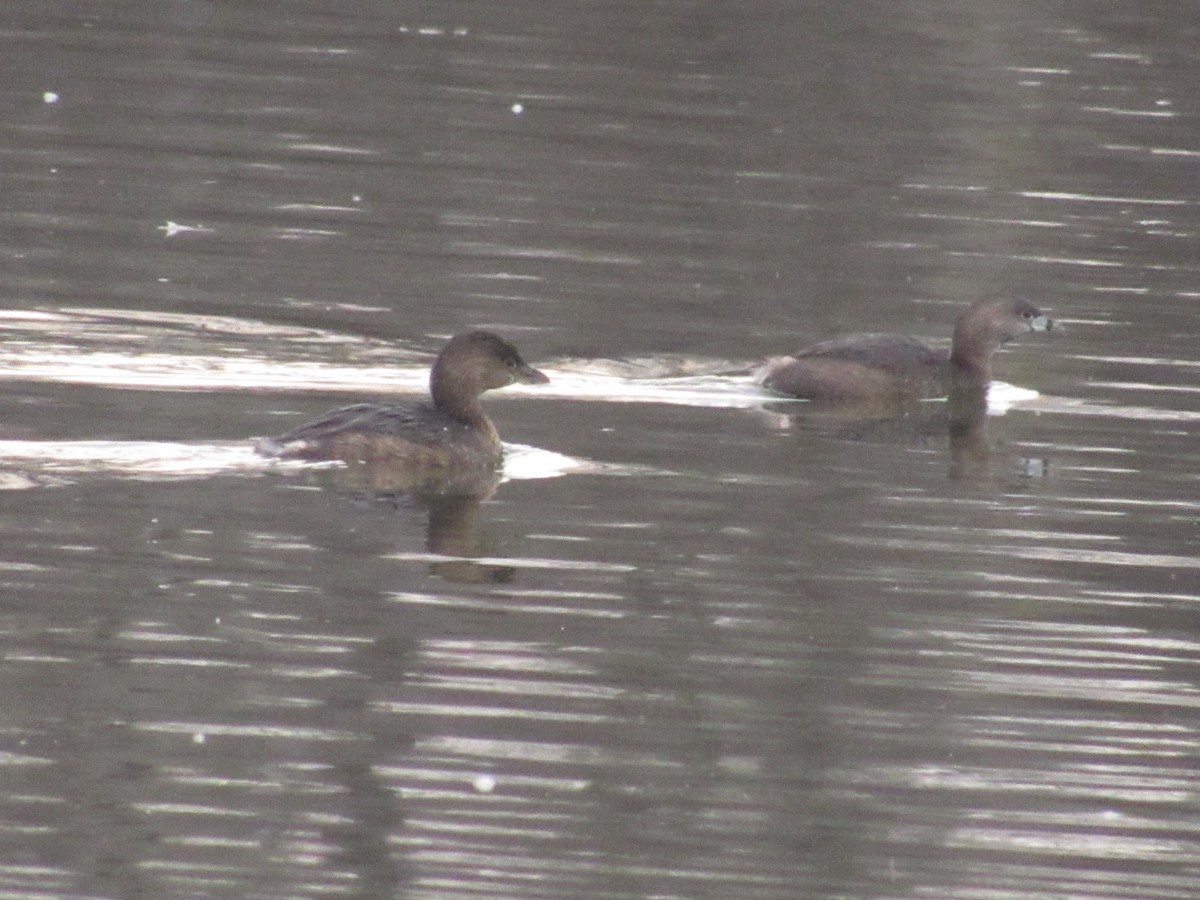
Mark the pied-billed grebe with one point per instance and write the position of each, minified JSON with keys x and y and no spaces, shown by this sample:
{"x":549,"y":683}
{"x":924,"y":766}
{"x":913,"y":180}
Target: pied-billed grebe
{"x":451,"y":432}
{"x":895,"y":367}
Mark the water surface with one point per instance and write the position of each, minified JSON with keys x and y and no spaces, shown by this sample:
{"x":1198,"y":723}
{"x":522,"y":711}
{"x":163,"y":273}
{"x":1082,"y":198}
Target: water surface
{"x":696,"y":641}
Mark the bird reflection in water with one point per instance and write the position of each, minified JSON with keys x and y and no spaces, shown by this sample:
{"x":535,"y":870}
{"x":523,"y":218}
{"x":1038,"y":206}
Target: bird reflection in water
{"x":961,"y":420}
{"x":966,"y":425}
{"x":451,"y":501}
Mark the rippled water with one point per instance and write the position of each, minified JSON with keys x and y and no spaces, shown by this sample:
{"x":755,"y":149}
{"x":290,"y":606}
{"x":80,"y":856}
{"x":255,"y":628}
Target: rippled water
{"x":695,"y":640}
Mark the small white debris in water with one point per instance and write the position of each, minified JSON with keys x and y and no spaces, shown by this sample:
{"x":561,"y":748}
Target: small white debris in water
{"x":173,"y":228}
{"x":485,"y":784}
{"x":198,"y":737}
{"x":427,"y":31}
{"x":517,"y":109}
{"x":50,"y":97}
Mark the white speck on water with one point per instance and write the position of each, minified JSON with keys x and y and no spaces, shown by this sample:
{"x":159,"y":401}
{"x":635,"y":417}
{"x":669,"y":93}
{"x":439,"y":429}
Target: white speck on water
{"x":517,"y":109}
{"x":50,"y":97}
{"x":173,"y":228}
{"x":485,"y":784}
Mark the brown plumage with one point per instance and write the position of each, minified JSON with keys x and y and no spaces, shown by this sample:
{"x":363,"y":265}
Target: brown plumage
{"x":452,"y":431}
{"x":863,"y":367}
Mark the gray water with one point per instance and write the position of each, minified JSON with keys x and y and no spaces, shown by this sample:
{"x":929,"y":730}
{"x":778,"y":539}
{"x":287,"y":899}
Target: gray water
{"x":699,"y":643}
